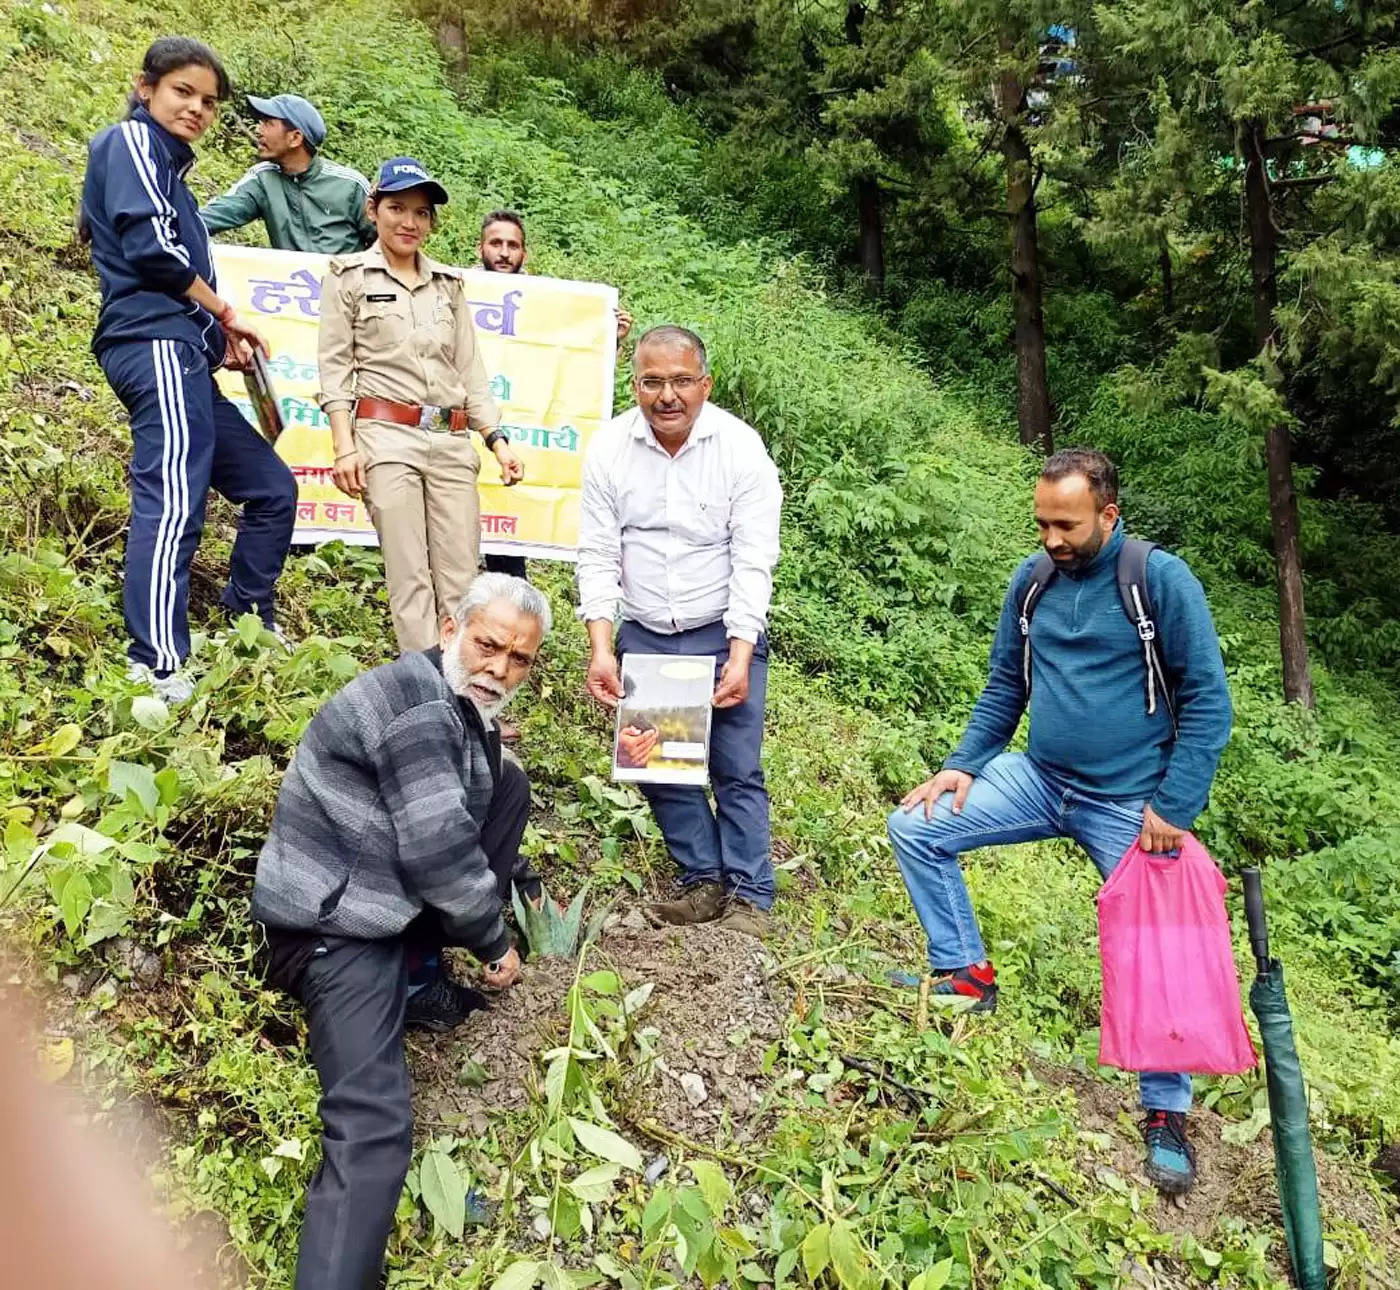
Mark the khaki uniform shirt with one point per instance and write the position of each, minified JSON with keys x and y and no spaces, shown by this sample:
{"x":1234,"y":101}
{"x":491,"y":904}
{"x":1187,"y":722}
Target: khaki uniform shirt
{"x":391,"y":337}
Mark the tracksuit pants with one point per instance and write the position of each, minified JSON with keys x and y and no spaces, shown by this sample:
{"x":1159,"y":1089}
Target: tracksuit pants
{"x":355,"y":993}
{"x":186,"y":438}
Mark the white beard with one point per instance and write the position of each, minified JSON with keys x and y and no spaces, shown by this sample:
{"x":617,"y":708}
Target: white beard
{"x":460,"y":683}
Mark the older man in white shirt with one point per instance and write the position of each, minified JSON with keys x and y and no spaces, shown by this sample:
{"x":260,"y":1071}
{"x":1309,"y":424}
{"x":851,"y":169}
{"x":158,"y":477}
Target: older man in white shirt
{"x":679,"y":532}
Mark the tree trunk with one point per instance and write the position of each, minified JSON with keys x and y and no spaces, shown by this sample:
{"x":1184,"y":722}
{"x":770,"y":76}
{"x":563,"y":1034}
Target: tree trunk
{"x":872,"y":235}
{"x":1283,"y":501}
{"x":1164,"y":262}
{"x":1032,"y":388}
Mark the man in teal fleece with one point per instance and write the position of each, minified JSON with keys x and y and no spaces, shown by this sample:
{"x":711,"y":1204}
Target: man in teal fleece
{"x":1100,"y":767}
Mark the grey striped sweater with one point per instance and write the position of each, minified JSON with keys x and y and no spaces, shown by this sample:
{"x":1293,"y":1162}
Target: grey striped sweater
{"x":380,"y":813}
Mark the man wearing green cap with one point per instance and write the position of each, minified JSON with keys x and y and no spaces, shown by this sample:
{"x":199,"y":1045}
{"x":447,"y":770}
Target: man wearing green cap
{"x":306,"y":202}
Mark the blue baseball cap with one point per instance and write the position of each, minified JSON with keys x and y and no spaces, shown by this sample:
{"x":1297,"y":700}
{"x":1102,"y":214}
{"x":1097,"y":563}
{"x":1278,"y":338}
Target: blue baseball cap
{"x":296,"y":112}
{"x":399,"y":174}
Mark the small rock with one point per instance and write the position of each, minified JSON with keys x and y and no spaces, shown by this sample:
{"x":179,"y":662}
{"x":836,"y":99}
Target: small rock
{"x":655,"y":1171}
{"x":633,"y":920}
{"x":106,"y":993}
{"x":612,"y":922}
{"x":694,"y":1088}
{"x":73,"y":983}
{"x":541,"y":1226}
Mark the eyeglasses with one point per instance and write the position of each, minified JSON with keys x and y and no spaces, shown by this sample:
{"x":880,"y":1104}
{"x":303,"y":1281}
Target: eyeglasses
{"x":680,"y":384}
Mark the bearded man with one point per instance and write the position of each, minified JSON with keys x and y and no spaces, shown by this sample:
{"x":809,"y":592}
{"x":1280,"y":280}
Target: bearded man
{"x":397,"y":831}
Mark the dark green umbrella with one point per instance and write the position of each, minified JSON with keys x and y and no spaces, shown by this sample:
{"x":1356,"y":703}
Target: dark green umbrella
{"x":1288,"y":1101}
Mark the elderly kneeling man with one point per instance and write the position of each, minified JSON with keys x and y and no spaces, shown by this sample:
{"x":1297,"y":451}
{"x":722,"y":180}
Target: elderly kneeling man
{"x":397,"y":832}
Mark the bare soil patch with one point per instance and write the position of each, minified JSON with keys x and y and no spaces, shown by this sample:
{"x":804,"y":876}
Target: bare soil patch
{"x":712,"y":1009}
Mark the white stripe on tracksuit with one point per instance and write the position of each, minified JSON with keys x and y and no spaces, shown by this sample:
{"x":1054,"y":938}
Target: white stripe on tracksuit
{"x":138,"y":143}
{"x":175,"y":502}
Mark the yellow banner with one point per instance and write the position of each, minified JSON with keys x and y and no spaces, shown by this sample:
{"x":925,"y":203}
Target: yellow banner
{"x":549,"y":346}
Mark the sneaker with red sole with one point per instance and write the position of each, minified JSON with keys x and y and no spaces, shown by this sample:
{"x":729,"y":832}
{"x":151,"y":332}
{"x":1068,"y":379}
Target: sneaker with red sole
{"x":971,"y":982}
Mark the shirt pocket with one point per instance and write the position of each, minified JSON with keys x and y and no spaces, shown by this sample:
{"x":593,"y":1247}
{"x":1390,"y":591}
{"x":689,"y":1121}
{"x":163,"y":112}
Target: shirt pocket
{"x":701,"y":518}
{"x":384,"y":325}
{"x":441,"y":328}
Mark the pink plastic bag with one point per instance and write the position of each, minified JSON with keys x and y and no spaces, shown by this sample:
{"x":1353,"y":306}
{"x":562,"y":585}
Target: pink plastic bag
{"x":1171,"y":998}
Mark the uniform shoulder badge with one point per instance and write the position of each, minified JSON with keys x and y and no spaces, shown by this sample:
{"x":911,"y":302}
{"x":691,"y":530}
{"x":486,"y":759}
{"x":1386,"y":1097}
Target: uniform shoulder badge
{"x":339,"y":263}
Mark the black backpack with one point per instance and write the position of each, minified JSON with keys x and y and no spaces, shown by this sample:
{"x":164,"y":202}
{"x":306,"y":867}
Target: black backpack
{"x":1137,"y":604}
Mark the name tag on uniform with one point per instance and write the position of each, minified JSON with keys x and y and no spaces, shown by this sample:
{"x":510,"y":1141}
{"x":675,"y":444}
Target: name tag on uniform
{"x":377,"y":299}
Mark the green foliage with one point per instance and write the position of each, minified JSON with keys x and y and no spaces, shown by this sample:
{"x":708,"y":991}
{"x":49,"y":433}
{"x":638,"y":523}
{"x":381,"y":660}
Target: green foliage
{"x":552,"y":932}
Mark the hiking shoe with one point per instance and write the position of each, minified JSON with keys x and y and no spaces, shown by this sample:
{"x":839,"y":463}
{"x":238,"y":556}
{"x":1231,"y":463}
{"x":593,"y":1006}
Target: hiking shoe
{"x":444,"y":1005}
{"x":286,"y":643}
{"x":972,"y":982}
{"x":1171,"y":1160}
{"x":174,"y":687}
{"x":744,"y":916}
{"x":701,"y":902}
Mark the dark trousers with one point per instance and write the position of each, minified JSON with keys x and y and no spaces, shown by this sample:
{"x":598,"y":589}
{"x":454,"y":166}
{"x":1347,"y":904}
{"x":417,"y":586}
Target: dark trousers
{"x":186,"y":437}
{"x":355,"y":993}
{"x":511,"y":564}
{"x":730,"y":843}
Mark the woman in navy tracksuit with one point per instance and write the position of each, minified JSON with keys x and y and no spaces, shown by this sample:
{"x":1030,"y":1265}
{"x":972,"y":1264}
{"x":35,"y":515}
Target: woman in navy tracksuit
{"x":162,"y":332}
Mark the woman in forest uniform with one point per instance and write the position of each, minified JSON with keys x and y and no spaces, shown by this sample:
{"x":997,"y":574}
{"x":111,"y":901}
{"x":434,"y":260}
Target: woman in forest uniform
{"x":162,"y":332}
{"x":403,"y":383}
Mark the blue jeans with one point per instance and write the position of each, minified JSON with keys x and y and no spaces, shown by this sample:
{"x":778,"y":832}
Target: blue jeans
{"x":728,"y":844}
{"x":1010,"y":801}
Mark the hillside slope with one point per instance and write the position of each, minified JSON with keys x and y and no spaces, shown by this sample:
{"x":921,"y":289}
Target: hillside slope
{"x":838,"y":1126}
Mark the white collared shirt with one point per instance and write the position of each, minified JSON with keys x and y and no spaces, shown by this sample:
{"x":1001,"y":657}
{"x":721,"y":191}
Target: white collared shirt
{"x":679,"y":542}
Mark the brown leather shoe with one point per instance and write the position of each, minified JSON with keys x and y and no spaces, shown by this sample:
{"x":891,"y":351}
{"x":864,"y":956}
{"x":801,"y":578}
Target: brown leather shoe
{"x":701,"y":902}
{"x":744,"y":916}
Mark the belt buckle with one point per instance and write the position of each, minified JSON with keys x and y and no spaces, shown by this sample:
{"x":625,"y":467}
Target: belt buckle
{"x":428,"y":414}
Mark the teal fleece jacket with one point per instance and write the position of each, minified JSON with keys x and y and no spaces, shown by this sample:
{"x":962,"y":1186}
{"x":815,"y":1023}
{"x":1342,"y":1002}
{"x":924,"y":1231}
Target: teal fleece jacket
{"x":1089,"y":725}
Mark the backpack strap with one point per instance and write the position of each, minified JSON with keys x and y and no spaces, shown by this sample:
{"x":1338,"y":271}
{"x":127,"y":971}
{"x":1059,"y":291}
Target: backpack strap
{"x":1042,"y":570}
{"x":1137,"y":604}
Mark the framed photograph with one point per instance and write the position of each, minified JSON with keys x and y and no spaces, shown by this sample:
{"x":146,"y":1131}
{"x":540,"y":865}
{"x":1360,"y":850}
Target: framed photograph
{"x":263,"y":398}
{"x":663,"y":720}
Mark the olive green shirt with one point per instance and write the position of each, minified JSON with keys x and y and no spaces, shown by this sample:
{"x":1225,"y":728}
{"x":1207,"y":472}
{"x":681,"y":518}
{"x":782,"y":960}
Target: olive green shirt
{"x":322,"y":209}
{"x":410,"y":340}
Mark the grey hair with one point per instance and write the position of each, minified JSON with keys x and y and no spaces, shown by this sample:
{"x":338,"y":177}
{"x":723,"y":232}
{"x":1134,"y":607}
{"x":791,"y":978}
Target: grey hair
{"x":670,"y":334}
{"x":487,"y":587}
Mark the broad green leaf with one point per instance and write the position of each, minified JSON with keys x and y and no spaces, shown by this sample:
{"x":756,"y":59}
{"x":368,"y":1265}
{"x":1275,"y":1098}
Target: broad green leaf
{"x":934,"y":1278}
{"x":596,"y":1184}
{"x":556,"y":1076}
{"x":607,"y":1144}
{"x":564,"y":1217}
{"x":849,"y":1260}
{"x":787,"y":1260}
{"x":519,"y":1276}
{"x":816,"y":1251}
{"x":714,"y":1186}
{"x":64,"y":740}
{"x":250,"y":629}
{"x":444,"y":1192}
{"x":125,"y":777}
{"x":602,"y":982}
{"x":737,"y":1241}
{"x":657,"y":1211}
{"x":149,"y":712}
{"x":168,"y":785}
{"x":82,"y":839}
{"x":75,"y":902}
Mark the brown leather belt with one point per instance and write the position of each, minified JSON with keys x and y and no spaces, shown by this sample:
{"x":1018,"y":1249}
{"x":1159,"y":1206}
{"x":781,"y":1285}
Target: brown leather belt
{"x":427,"y":416}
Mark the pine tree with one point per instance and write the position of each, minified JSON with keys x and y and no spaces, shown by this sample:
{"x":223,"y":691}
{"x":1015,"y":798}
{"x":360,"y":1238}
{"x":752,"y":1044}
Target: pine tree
{"x":1243,"y":118}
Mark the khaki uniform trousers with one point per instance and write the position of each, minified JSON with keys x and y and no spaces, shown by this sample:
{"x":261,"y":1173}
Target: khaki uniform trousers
{"x":422,"y":497}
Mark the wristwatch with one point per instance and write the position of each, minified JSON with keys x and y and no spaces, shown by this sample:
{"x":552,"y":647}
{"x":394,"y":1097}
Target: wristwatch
{"x":493,"y":436}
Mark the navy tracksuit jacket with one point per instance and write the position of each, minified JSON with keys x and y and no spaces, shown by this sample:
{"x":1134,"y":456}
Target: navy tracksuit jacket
{"x":159,"y":350}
